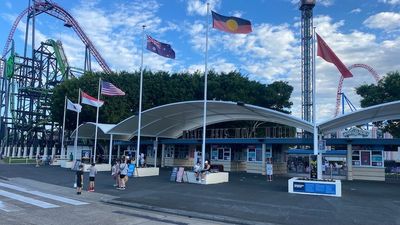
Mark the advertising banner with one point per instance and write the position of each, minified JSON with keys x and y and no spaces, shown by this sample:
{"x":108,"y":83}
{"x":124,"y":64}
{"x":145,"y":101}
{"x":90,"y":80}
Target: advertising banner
{"x":313,"y":167}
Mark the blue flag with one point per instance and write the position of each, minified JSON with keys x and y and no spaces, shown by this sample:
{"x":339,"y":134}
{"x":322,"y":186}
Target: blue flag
{"x":160,"y":48}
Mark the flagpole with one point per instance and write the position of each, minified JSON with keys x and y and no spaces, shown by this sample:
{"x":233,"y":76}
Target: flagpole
{"x":97,"y":121}
{"x":203,"y":147}
{"x":76,"y":129}
{"x":63,"y":130}
{"x":140,"y":101}
{"x":314,"y":114}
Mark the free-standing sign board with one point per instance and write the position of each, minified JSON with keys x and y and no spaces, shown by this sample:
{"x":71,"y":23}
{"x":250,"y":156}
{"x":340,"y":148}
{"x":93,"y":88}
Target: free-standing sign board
{"x":173,"y":174}
{"x":313,"y":167}
{"x":315,"y":187}
{"x":131,"y":169}
{"x":179,"y":175}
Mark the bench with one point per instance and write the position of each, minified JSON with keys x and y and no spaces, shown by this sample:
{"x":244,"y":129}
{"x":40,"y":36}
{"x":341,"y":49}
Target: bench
{"x":210,"y":178}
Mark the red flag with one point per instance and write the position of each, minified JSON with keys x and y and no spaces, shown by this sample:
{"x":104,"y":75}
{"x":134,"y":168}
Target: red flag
{"x":326,"y":53}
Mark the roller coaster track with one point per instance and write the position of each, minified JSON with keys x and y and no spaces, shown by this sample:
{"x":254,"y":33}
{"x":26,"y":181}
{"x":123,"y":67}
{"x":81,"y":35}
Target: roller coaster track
{"x":60,"y":55}
{"x":58,"y":12}
{"x":339,"y":90}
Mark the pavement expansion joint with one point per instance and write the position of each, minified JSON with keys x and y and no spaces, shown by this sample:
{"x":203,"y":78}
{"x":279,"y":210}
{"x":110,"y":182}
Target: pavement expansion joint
{"x":190,"y":214}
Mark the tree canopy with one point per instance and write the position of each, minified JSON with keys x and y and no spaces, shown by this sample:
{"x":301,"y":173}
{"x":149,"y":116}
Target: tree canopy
{"x":161,"y":88}
{"x":387,"y":90}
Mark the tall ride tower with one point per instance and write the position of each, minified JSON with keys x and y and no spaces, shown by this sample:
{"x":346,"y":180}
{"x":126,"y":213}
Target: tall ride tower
{"x":307,"y":60}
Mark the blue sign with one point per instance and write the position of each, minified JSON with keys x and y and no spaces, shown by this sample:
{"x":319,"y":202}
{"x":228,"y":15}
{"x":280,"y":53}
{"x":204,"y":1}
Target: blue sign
{"x":317,"y":188}
{"x":131,"y":169}
{"x":298,"y":187}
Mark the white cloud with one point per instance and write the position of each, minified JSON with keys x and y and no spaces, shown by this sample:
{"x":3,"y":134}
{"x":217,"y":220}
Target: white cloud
{"x":355,"y":11}
{"x":8,"y":4}
{"x":351,"y":48}
{"x":200,"y":7}
{"x":219,"y":65}
{"x":391,"y":2}
{"x":20,"y":31}
{"x":120,"y":34}
{"x":388,"y":21}
{"x":325,"y":3}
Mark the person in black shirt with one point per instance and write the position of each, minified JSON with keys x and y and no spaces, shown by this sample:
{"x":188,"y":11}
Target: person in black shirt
{"x":79,"y":180}
{"x":205,"y":170}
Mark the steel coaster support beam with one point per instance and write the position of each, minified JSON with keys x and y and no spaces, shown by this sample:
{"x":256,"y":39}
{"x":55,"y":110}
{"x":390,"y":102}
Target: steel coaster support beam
{"x":307,"y":61}
{"x":58,"y":12}
{"x":371,"y":71}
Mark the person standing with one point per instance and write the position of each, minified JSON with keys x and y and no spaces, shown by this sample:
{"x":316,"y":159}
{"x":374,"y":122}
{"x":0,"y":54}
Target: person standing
{"x":115,"y":173}
{"x":92,"y":175}
{"x":79,"y":180}
{"x":37,"y":160}
{"x":269,"y":169}
{"x":123,"y":168}
{"x":205,"y":170}
{"x":141,"y":161}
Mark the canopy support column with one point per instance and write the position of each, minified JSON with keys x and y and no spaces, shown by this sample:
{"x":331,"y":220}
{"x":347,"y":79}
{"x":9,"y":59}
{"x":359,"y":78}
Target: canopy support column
{"x":111,"y":147}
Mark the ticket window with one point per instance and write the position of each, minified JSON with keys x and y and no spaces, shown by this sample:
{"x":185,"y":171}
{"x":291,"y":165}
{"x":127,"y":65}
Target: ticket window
{"x":221,"y":153}
{"x":367,"y":158}
{"x":254,"y":154}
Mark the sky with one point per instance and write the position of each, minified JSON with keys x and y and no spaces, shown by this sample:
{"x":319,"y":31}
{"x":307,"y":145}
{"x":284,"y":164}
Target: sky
{"x":358,"y":31}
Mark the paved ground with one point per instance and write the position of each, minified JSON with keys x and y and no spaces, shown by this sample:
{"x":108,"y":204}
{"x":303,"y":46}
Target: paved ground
{"x":57,"y":205}
{"x":246,"y":198}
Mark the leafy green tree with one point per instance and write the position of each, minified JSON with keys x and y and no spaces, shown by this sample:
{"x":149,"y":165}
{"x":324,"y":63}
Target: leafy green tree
{"x":387,"y":90}
{"x":161,"y":88}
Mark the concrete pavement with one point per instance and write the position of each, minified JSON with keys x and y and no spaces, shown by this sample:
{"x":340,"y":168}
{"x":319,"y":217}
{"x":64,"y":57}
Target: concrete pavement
{"x":246,"y":199}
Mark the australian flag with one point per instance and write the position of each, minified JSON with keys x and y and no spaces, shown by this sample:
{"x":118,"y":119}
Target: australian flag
{"x":160,"y":48}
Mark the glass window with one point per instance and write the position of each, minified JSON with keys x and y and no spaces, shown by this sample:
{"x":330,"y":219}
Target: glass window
{"x":227,"y":154}
{"x":221,"y":153}
{"x":356,"y":158}
{"x":377,"y":159}
{"x":251,"y":154}
{"x":254,"y":154}
{"x":365,"y":158}
{"x":268,"y":152}
{"x":169,"y":152}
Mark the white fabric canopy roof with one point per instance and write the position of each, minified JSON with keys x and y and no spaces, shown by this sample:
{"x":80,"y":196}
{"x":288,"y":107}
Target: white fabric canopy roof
{"x":170,"y":120}
{"x":87,"y":131}
{"x":381,"y":112}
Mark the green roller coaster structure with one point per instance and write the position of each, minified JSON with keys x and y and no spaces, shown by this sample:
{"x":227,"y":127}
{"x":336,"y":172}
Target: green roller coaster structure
{"x":29,"y":84}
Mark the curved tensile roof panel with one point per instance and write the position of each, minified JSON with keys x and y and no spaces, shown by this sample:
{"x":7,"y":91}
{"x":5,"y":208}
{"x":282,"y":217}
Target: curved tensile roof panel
{"x":170,"y":120}
{"x":87,"y":131}
{"x":381,"y":112}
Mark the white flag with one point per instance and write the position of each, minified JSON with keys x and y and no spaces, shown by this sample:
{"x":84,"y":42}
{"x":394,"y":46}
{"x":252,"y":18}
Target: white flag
{"x":74,"y":107}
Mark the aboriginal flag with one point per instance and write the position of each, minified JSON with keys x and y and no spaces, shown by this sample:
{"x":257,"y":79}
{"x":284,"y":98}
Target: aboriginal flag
{"x":231,"y":24}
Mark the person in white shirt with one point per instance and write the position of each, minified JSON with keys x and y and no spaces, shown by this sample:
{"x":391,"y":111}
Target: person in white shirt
{"x":141,"y":160}
{"x":92,"y":175}
{"x":123,"y":168}
{"x":115,"y":172}
{"x":196,"y":170}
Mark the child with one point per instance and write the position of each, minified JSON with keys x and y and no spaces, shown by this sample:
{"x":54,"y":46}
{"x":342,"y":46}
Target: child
{"x":79,"y":180}
{"x":196,"y":170}
{"x":115,"y":172}
{"x":92,"y":174}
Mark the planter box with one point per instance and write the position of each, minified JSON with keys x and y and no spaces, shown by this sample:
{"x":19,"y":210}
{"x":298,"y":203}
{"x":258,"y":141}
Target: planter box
{"x":146,"y":172}
{"x":99,"y":167}
{"x":211,"y":178}
{"x":315,"y":187}
{"x":66,"y":164}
